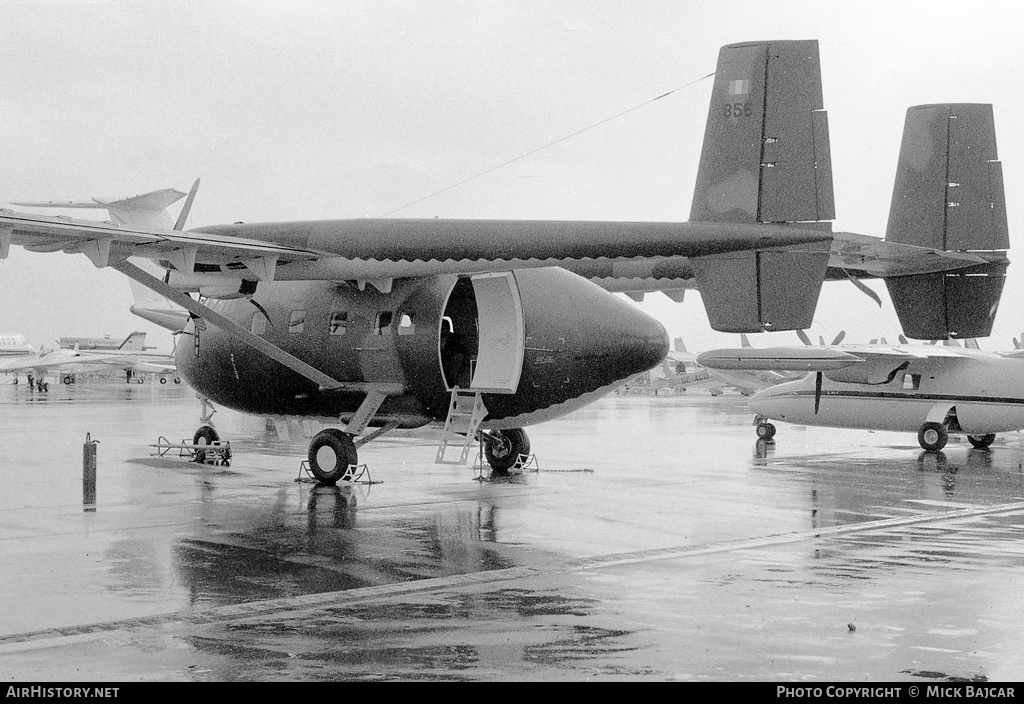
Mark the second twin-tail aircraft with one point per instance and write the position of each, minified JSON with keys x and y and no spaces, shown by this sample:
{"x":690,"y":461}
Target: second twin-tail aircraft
{"x":479,"y":325}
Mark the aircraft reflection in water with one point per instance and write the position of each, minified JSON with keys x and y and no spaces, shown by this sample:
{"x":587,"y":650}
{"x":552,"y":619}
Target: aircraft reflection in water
{"x":402,"y":323}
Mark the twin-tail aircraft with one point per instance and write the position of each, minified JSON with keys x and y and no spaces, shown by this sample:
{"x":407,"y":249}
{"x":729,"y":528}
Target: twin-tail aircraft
{"x":934,"y":390}
{"x":482,"y":325}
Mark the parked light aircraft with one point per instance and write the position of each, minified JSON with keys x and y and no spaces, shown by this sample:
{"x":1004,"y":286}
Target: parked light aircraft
{"x":128,"y":356}
{"x":479,"y":325}
{"x":934,"y":390}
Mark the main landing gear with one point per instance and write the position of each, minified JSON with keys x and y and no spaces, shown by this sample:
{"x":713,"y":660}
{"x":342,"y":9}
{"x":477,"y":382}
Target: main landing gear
{"x":982,"y":442}
{"x":331,"y":453}
{"x":933,"y":437}
{"x":503,"y":448}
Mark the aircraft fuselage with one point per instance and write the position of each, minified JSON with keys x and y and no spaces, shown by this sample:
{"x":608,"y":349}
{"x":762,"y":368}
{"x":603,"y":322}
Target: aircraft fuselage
{"x":983,"y":392}
{"x":563,"y":343}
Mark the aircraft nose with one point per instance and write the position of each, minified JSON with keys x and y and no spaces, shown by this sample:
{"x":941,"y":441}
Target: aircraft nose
{"x":647,"y":346}
{"x":633,"y":341}
{"x":765,"y":403}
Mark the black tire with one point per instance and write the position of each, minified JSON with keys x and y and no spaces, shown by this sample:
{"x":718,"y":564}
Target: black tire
{"x":204,"y":436}
{"x":330,"y":454}
{"x":932,"y":436}
{"x":177,"y":380}
{"x":982,"y":442}
{"x":503,"y":454}
{"x":66,"y":379}
{"x":163,"y":380}
{"x":765,"y":431}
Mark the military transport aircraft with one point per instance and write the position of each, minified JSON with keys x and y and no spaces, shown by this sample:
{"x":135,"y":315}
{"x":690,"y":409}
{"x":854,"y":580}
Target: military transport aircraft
{"x":934,"y":390}
{"x":478,"y":323}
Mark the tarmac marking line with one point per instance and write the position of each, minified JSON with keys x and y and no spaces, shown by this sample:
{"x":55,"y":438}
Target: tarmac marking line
{"x":56,"y":637}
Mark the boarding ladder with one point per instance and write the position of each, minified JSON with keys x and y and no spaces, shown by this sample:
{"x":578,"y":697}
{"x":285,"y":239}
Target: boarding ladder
{"x":465,"y":411}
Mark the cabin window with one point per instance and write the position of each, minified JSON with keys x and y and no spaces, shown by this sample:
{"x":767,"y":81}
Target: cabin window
{"x":406,"y":324}
{"x":339,"y":322}
{"x":383,"y":323}
{"x":258,"y":324}
{"x":297,"y":321}
{"x":911,"y":382}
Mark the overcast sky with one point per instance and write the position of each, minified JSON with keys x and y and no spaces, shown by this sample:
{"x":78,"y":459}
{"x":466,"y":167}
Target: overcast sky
{"x":296,"y":110}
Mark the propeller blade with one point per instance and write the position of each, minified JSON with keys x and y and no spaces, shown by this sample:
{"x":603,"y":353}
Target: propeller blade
{"x":803,"y":337}
{"x":839,"y":337}
{"x":903,"y":340}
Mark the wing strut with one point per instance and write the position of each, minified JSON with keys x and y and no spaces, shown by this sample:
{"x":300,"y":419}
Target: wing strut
{"x":325,"y":382}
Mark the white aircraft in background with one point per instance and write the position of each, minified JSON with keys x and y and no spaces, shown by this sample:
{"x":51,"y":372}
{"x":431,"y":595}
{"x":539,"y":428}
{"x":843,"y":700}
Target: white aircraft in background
{"x":678,"y":373}
{"x":129,"y":356}
{"x":934,"y":390}
{"x":14,"y":345}
{"x":746,"y":381}
{"x":136,"y":342}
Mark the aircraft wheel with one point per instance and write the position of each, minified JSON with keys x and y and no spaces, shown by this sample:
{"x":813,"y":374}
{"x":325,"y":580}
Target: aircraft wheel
{"x":66,"y":378}
{"x":163,"y":380}
{"x":177,"y":380}
{"x":330,"y":454}
{"x":932,"y":436}
{"x":507,"y":445}
{"x":766,"y":431}
{"x":982,"y":442}
{"x":204,"y":436}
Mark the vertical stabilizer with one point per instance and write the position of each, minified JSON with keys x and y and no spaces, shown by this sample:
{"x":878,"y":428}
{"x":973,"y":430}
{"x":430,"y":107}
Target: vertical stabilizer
{"x":766,"y":152}
{"x":949,"y":195}
{"x":136,"y":342}
{"x":765,"y":160}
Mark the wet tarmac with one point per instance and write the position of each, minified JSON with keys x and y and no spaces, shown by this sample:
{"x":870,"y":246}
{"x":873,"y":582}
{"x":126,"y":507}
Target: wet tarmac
{"x":658,"y":541}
